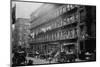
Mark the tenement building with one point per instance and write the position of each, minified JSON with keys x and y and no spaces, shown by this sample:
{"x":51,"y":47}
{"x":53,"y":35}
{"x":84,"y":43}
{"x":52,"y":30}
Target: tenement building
{"x":21,"y":32}
{"x":59,"y":28}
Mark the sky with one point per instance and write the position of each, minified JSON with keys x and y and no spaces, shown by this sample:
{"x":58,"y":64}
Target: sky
{"x":24,"y":9}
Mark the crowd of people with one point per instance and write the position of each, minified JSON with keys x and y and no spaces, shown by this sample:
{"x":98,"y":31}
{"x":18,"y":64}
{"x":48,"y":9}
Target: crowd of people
{"x":19,"y":56}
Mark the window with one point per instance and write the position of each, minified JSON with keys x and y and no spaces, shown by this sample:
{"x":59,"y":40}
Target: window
{"x":64,"y":9}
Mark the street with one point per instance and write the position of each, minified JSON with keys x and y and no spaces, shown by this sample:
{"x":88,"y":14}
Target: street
{"x":40,"y":61}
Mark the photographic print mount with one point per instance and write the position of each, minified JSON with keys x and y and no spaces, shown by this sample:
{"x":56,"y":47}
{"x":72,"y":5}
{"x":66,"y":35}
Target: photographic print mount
{"x":52,"y":33}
